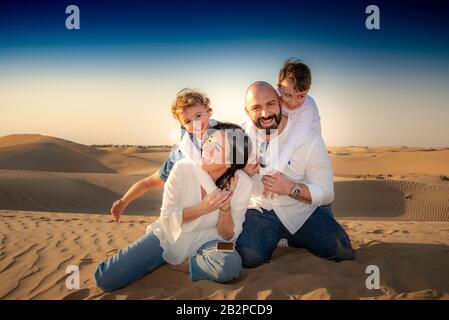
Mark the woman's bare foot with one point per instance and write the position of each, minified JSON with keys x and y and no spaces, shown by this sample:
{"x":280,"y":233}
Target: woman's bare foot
{"x":183,"y":267}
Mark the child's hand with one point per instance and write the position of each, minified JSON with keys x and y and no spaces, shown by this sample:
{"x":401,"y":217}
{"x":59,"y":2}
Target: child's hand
{"x":117,"y":209}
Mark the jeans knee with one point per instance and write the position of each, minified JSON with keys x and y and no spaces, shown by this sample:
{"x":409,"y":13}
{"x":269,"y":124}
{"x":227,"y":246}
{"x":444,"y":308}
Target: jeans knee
{"x":230,"y":269}
{"x":340,"y":250}
{"x":343,"y":253}
{"x":101,"y":279}
{"x":251,"y":258}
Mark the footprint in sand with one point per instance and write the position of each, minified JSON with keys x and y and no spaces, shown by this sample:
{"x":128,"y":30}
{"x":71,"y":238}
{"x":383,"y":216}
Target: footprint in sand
{"x":390,"y":232}
{"x":420,"y":295}
{"x":77,"y":295}
{"x":369,"y":242}
{"x":86,"y":261}
{"x":382,"y":231}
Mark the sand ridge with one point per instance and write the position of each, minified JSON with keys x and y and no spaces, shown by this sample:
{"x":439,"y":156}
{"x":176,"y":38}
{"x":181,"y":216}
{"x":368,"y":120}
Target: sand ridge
{"x":55,"y":197}
{"x":37,"y":247}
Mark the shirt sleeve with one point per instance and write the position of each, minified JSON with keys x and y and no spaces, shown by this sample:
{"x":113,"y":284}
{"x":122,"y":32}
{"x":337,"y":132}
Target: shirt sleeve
{"x":319,"y":174}
{"x":302,"y":124}
{"x":171,"y":210}
{"x":239,"y":210}
{"x":168,"y":164}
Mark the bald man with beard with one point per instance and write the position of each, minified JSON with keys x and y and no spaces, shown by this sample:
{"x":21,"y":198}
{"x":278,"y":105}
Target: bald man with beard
{"x":294,"y":204}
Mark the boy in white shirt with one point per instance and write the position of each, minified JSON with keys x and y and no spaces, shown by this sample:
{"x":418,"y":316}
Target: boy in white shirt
{"x":294,"y":82}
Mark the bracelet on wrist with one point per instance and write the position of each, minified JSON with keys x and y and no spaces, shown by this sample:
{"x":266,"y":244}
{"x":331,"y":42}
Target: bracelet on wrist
{"x":223,"y":213}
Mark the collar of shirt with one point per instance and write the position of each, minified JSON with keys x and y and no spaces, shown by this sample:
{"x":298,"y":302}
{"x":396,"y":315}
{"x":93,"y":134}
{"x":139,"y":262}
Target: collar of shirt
{"x":293,"y":114}
{"x":192,"y":147}
{"x":203,"y":178}
{"x":273,"y":150}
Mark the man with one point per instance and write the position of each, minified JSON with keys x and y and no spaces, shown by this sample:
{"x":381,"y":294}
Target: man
{"x":294,"y":204}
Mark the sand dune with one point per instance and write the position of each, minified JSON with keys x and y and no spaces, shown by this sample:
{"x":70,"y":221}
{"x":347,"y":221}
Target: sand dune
{"x":44,"y":153}
{"x":95,"y":192}
{"x":55,"y":197}
{"x":71,"y":192}
{"x":36,"y":248}
{"x":360,"y":161}
{"x":391,"y":199}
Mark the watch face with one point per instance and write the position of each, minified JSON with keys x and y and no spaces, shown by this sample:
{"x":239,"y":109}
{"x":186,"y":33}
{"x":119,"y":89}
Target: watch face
{"x":296,"y":192}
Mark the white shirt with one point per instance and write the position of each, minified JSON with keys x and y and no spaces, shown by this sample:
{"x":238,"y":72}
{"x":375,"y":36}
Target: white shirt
{"x":308,"y":114}
{"x":304,"y":119}
{"x":182,"y":189}
{"x":309,"y":164}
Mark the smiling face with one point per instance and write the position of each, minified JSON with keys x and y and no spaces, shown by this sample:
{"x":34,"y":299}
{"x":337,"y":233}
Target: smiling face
{"x":195,"y":119}
{"x":213,"y":157}
{"x":263,"y":107}
{"x":291,"y":97}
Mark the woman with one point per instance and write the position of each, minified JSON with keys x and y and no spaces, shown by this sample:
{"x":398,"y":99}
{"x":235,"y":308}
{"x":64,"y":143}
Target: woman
{"x":195,"y":216}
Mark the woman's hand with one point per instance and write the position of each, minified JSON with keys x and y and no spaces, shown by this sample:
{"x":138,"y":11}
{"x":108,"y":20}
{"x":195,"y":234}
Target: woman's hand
{"x":117,"y":209}
{"x":214,"y":200}
{"x":252,"y":169}
{"x":225,"y":224}
{"x":232,"y":186}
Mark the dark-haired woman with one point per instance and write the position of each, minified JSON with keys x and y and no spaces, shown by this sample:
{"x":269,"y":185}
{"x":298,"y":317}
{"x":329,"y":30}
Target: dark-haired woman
{"x":195,"y":216}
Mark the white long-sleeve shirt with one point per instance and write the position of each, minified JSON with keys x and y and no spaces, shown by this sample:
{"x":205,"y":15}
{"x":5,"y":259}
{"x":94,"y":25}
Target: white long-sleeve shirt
{"x":309,"y":164}
{"x":182,"y":189}
{"x":304,"y":119}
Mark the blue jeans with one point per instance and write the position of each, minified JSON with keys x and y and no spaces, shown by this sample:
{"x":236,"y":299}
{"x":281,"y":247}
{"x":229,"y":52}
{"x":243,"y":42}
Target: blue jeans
{"x":145,"y":255}
{"x":321,"y":234}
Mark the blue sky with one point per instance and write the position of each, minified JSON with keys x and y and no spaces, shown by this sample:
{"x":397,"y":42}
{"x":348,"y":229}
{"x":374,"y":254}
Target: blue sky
{"x":128,"y":60}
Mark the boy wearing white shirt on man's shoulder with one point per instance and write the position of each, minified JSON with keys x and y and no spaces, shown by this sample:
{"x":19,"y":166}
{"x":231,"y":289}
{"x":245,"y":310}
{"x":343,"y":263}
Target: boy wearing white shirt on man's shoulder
{"x":294,"y":82}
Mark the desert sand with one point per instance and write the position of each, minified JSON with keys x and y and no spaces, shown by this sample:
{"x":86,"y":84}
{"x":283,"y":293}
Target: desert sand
{"x":55,"y":197}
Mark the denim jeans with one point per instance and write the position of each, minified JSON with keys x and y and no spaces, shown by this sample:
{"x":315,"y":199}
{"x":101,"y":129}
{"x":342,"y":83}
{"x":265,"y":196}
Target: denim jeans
{"x":145,"y":255}
{"x":321,"y":234}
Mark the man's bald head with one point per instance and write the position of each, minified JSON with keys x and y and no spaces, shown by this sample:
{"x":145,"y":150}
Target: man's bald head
{"x":256,"y":88}
{"x":262,"y":105}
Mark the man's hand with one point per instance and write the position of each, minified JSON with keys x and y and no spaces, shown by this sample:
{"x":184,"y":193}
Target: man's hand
{"x":117,"y":209}
{"x":277,"y":183}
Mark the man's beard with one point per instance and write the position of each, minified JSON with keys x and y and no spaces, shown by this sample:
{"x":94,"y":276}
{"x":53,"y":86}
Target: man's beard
{"x":274,"y":126}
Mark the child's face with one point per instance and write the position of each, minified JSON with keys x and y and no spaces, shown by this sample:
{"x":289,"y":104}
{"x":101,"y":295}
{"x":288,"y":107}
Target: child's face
{"x":195,"y":119}
{"x":291,"y":97}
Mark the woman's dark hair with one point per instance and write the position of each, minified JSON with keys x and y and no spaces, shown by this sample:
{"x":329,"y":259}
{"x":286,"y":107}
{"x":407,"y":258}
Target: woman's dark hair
{"x":240,"y":145}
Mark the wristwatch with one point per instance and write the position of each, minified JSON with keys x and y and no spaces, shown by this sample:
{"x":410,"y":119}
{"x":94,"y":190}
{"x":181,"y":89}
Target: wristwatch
{"x":295,"y":192}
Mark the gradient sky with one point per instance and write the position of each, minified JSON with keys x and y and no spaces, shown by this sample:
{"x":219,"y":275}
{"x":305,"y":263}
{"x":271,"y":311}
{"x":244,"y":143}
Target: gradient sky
{"x":113,"y":80}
